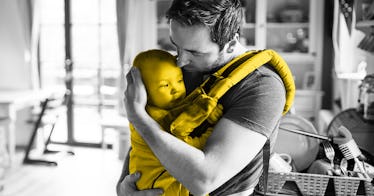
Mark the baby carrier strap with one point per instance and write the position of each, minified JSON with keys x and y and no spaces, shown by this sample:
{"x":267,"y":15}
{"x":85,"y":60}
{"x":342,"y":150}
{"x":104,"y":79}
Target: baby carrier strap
{"x":204,"y":99}
{"x":240,"y":67}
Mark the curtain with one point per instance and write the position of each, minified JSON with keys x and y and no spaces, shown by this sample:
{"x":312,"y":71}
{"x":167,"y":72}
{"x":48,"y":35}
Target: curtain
{"x":16,"y":18}
{"x":349,"y":62}
{"x":28,"y":10}
{"x":137,"y":31}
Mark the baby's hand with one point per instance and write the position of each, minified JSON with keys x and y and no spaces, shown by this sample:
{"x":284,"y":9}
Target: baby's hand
{"x":216,"y":114}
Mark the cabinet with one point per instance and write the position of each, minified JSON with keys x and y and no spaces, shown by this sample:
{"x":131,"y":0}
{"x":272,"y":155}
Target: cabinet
{"x":294,"y":28}
{"x":365,"y":23}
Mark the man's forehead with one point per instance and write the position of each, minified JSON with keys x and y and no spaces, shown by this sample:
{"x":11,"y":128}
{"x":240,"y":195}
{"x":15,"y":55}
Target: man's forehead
{"x":191,"y":37}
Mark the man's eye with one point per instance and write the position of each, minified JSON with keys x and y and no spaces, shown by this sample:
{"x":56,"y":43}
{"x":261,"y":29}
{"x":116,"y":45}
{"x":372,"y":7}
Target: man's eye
{"x":196,"y":53}
{"x":180,"y":81}
{"x":164,"y":85}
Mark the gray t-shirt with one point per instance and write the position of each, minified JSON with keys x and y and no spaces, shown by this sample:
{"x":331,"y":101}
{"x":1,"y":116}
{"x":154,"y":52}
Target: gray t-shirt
{"x":256,"y":103}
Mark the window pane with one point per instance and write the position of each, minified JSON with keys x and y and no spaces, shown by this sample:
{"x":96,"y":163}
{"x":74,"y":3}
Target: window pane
{"x":85,"y":85}
{"x":108,"y":11}
{"x":288,"y":11}
{"x":288,"y":39}
{"x":109,"y":46}
{"x":109,"y":87}
{"x":53,"y":75}
{"x":52,"y":44}
{"x":85,"y":44}
{"x":87,"y":127}
{"x":85,"y":11}
{"x":52,"y":11}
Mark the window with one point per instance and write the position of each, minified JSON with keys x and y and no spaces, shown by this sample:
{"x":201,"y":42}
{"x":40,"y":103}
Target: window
{"x":94,"y":52}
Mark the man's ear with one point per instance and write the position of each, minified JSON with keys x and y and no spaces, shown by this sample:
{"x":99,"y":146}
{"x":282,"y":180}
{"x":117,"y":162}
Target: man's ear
{"x":232,"y":43}
{"x":231,"y":46}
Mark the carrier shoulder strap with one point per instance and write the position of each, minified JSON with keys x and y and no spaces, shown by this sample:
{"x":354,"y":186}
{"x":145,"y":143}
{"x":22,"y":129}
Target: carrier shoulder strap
{"x":265,"y":167}
{"x":236,"y":70}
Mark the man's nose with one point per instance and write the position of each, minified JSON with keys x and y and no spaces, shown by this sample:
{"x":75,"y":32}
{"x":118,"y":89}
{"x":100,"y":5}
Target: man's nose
{"x":182,"y":59}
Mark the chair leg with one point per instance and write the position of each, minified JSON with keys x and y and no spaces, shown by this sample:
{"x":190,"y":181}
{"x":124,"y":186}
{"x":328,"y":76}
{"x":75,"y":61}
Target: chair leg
{"x":48,"y":141}
{"x":39,"y":162}
{"x":103,"y":144}
{"x":27,"y":159}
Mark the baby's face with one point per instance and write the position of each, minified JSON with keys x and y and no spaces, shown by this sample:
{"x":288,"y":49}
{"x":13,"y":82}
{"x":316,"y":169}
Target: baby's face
{"x":164,"y":84}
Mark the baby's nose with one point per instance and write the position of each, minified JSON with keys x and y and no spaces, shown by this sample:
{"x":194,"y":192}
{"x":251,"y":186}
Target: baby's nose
{"x":173,"y":90}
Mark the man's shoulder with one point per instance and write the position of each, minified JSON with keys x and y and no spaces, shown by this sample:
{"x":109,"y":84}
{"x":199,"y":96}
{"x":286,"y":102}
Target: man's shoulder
{"x":261,"y":78}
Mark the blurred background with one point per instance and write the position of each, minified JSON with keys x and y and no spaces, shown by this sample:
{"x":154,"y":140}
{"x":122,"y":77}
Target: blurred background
{"x":63,"y":128}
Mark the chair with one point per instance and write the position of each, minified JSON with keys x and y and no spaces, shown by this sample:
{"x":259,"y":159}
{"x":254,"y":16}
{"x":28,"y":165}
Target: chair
{"x":50,"y":109}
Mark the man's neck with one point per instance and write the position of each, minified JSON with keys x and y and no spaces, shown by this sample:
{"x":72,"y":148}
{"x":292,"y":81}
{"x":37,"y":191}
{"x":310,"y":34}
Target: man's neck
{"x":238,"y":50}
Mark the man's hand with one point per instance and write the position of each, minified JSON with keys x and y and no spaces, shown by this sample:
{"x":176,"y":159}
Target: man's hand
{"x":135,"y":95}
{"x":128,"y":187}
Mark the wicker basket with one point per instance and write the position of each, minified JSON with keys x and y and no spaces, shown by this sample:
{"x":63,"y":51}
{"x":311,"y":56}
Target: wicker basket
{"x":314,"y":184}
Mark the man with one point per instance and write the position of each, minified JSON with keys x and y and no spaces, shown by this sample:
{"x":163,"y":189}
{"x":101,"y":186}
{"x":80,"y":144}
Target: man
{"x":205,"y":34}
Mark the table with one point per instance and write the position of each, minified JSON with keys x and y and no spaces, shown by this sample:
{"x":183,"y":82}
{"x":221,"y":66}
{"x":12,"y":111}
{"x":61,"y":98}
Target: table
{"x":10,"y":102}
{"x":121,"y":124}
{"x":3,"y":152}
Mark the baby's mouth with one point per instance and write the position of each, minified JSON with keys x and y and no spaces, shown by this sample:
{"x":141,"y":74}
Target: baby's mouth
{"x":177,"y":100}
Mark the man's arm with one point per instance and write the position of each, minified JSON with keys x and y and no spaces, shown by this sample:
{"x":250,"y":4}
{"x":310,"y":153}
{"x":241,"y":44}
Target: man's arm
{"x":200,"y":171}
{"x":197,"y":169}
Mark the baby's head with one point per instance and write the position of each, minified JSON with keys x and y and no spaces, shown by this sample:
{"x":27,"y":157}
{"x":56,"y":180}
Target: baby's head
{"x":162,"y":78}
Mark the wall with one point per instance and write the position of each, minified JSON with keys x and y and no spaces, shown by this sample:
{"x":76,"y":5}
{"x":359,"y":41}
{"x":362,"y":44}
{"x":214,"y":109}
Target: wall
{"x":15,"y":71}
{"x":15,"y":67}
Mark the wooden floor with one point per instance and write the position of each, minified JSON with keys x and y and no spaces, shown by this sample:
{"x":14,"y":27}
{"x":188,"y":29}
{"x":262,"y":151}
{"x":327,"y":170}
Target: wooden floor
{"x":92,"y":172}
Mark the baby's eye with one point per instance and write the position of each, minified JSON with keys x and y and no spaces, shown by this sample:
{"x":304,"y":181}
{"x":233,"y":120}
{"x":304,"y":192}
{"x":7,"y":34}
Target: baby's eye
{"x":164,"y":85}
{"x":180,"y":81}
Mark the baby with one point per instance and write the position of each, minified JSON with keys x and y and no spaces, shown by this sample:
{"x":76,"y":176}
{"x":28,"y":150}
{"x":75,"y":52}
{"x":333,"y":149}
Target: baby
{"x":164,"y":84}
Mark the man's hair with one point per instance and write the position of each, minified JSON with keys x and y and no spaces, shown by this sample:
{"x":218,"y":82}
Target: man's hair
{"x":154,"y":56}
{"x":222,"y":17}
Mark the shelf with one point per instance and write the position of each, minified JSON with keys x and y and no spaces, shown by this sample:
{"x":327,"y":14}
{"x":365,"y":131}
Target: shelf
{"x":298,"y":56}
{"x":285,"y":25}
{"x":366,"y":23}
{"x":249,"y":25}
{"x":291,"y":56}
{"x":351,"y":76}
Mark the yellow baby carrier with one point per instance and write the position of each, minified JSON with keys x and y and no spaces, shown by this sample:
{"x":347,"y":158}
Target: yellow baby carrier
{"x":205,"y":98}
{"x":189,"y":119}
